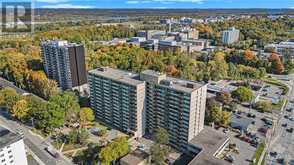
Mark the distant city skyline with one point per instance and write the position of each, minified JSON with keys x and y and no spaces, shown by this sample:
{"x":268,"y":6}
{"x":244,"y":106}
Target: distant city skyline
{"x":165,"y":4}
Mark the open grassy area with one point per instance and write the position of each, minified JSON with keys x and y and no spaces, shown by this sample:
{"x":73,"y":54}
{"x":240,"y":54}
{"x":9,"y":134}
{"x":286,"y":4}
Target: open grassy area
{"x":258,"y":153}
{"x":280,"y":104}
{"x":284,"y":87}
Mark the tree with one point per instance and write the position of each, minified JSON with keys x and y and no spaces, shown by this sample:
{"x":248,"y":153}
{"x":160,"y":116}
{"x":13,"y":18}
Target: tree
{"x":264,"y":106}
{"x":65,"y":104}
{"x":249,"y":55}
{"x":86,"y":115}
{"x":158,"y":154}
{"x":159,"y":150}
{"x":226,"y":118}
{"x":243,"y":94}
{"x":276,"y":65}
{"x":78,"y":136}
{"x":216,"y":115}
{"x":20,"y":110}
{"x":224,"y":97}
{"x":113,"y":151}
{"x":8,"y":98}
{"x":41,"y":86}
{"x":219,"y":116}
{"x":161,"y":136}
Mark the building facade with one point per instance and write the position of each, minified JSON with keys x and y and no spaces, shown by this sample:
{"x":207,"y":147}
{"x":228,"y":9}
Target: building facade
{"x":285,"y":49}
{"x":175,"y":105}
{"x":12,"y":149}
{"x":65,"y":63}
{"x":138,"y":103}
{"x":230,"y":36}
{"x":118,"y":99}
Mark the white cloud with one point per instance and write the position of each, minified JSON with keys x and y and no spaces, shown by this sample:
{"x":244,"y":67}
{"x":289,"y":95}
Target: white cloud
{"x":66,"y":6}
{"x":132,"y":2}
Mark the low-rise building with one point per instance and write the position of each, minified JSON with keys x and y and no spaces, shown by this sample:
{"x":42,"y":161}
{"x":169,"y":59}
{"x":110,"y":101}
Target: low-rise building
{"x":136,"y":157}
{"x":285,"y":49}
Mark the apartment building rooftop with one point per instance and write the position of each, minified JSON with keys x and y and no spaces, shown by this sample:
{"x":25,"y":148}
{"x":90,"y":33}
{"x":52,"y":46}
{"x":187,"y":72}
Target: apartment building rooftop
{"x":175,"y":83}
{"x":60,"y":43}
{"x":118,"y":75}
{"x":7,"y":137}
{"x":211,"y":143}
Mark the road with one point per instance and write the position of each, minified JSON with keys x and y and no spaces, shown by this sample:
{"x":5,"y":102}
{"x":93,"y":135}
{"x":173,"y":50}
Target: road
{"x":283,"y":141}
{"x":34,"y":142}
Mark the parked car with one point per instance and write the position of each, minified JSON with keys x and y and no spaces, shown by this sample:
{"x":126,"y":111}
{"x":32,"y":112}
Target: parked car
{"x":291,"y":118}
{"x":286,"y":117}
{"x":251,"y":115}
{"x":230,"y":158}
{"x":281,"y":160}
{"x":284,"y":125}
{"x":290,"y":130}
{"x":273,"y":154}
{"x":52,"y":152}
{"x":289,"y":109}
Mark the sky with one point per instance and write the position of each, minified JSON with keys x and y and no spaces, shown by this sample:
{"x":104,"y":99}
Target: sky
{"x":164,"y":4}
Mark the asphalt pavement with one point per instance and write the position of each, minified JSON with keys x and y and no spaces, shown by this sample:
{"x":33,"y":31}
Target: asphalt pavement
{"x":283,"y":141}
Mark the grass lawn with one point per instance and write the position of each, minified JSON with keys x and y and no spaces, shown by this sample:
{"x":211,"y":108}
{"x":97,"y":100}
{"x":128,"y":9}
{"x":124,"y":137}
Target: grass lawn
{"x":279,"y":105}
{"x":284,"y":87}
{"x":258,"y":153}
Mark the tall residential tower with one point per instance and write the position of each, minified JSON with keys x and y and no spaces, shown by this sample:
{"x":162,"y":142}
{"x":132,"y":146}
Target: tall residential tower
{"x":230,"y":36}
{"x":118,"y":99}
{"x":65,"y":63}
{"x":175,"y":105}
{"x":138,"y":103}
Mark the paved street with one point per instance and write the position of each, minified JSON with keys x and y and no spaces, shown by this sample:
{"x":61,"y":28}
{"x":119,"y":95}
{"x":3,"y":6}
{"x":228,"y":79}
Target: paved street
{"x":283,"y":141}
{"x":34,"y":142}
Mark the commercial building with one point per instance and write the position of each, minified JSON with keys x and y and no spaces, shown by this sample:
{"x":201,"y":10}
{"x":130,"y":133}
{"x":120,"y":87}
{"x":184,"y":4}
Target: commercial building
{"x":207,"y":147}
{"x":149,"y":34}
{"x":118,"y":98}
{"x":65,"y":63}
{"x":12,"y":150}
{"x":230,"y":36}
{"x":175,"y":105}
{"x":285,"y":49}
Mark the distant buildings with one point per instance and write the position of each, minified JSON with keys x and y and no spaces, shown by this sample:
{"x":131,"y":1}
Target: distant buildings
{"x":285,"y":49}
{"x":230,"y":36}
{"x":12,"y":149}
{"x":65,"y":63}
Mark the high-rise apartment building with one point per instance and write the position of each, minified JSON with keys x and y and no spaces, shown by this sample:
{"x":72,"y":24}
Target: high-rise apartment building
{"x":118,"y":99}
{"x":175,"y":105}
{"x":230,"y":36}
{"x":12,"y":150}
{"x":65,"y":63}
{"x":131,"y":101}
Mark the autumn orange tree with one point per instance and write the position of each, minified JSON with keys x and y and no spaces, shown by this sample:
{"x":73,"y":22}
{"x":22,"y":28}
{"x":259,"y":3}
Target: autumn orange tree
{"x":276,"y":65}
